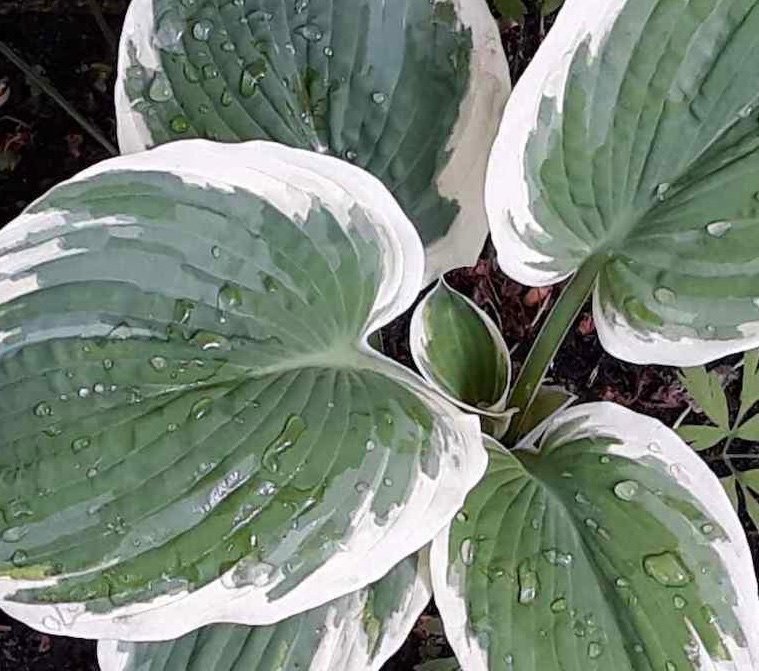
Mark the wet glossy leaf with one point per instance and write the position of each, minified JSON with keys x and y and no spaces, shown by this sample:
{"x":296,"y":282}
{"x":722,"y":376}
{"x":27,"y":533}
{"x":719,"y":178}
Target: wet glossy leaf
{"x":629,"y":152}
{"x":193,"y":428}
{"x":357,"y":631}
{"x":410,"y":90}
{"x":602,"y":542}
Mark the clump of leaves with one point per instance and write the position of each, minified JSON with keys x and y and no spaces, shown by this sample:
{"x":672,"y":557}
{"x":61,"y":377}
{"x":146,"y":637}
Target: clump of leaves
{"x":723,"y":429}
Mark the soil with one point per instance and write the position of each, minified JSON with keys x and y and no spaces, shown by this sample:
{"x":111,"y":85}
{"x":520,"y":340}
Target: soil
{"x":41,"y":145}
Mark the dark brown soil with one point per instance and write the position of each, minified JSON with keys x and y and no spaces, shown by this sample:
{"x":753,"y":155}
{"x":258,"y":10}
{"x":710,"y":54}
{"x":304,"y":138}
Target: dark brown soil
{"x":40,"y":145}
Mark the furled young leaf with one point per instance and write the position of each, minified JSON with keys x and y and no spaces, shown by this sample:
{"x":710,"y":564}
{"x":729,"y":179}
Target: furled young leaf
{"x":460,"y":350}
{"x":630,"y":153}
{"x":357,"y":631}
{"x":193,"y":428}
{"x":548,"y":401}
{"x":706,"y":390}
{"x":602,"y":542}
{"x":411,"y":90}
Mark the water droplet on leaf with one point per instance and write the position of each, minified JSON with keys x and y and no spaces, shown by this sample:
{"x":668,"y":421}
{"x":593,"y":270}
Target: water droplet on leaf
{"x":667,"y":569}
{"x":201,"y":408}
{"x":202,"y":30}
{"x":665,"y":295}
{"x":718,"y":229}
{"x":309,"y":32}
{"x":557,"y":557}
{"x":529,"y":583}
{"x":160,"y":88}
{"x":43,"y":409}
{"x":626,"y":490}
{"x":292,"y":431}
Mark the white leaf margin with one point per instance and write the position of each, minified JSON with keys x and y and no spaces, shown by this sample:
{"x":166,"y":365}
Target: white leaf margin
{"x":636,"y":434}
{"x":419,"y":338}
{"x":289,"y":179}
{"x":344,"y":645}
{"x":462,"y":178}
{"x":507,"y":194}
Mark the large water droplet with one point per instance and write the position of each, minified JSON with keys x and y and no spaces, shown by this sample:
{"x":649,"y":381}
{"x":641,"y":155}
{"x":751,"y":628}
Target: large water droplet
{"x":79,"y":444}
{"x":462,"y":516}
{"x":466,"y":551}
{"x":208,"y":341}
{"x":267,"y":488}
{"x":309,"y":32}
{"x":667,"y":569}
{"x":19,"y":558}
{"x":14,"y":534}
{"x":595,"y":650}
{"x":718,"y":229}
{"x":745,"y":112}
{"x":160,"y":88}
{"x":210,"y":71}
{"x":707,"y":528}
{"x":92,"y":472}
{"x":229,"y":297}
{"x":179,"y":124}
{"x":329,"y":52}
{"x":662,"y":190}
{"x":378,"y":98}
{"x":529,"y":583}
{"x":361,"y":486}
{"x":43,"y":409}
{"x":293,"y":429}
{"x":252,"y":572}
{"x":201,"y":408}
{"x":251,"y":77}
{"x":202,"y":30}
{"x":626,"y":490}
{"x":559,"y":605}
{"x":557,"y":557}
{"x":679,"y":602}
{"x":158,"y":363}
{"x":665,"y":295}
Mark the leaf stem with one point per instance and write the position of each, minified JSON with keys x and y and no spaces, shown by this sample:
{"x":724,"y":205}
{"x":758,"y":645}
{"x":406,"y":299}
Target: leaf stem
{"x":50,"y":90}
{"x":551,"y":335}
{"x":97,"y":13}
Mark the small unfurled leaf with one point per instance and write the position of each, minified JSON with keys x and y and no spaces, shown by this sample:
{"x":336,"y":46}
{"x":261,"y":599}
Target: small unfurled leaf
{"x":601,"y":542}
{"x":460,"y":350}
{"x":357,"y":631}
{"x":749,"y":430}
{"x":706,"y":390}
{"x":702,"y":437}
{"x":747,"y":482}
{"x":750,"y":386}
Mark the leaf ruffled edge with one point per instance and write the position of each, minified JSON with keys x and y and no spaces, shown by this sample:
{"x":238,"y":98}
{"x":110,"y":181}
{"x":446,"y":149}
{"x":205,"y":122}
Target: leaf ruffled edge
{"x":463,"y":177}
{"x":268,"y":169}
{"x":344,"y":644}
{"x":507,"y":187}
{"x":677,"y":459}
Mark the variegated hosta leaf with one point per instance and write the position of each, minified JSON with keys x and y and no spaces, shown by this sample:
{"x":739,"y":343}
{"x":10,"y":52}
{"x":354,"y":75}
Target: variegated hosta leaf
{"x":192,"y":426}
{"x":357,"y":631}
{"x":460,"y":350}
{"x":630,"y":151}
{"x":602,"y":542}
{"x":410,"y":90}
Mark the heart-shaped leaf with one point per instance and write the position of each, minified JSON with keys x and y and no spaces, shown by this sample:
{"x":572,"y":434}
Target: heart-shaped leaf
{"x":410,"y":90}
{"x":601,"y":542}
{"x":193,"y":428}
{"x":629,"y":153}
{"x":357,"y":631}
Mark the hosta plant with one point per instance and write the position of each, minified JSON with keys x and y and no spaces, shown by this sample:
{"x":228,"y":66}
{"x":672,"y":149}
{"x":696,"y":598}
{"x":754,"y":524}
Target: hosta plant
{"x":206,"y":465}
